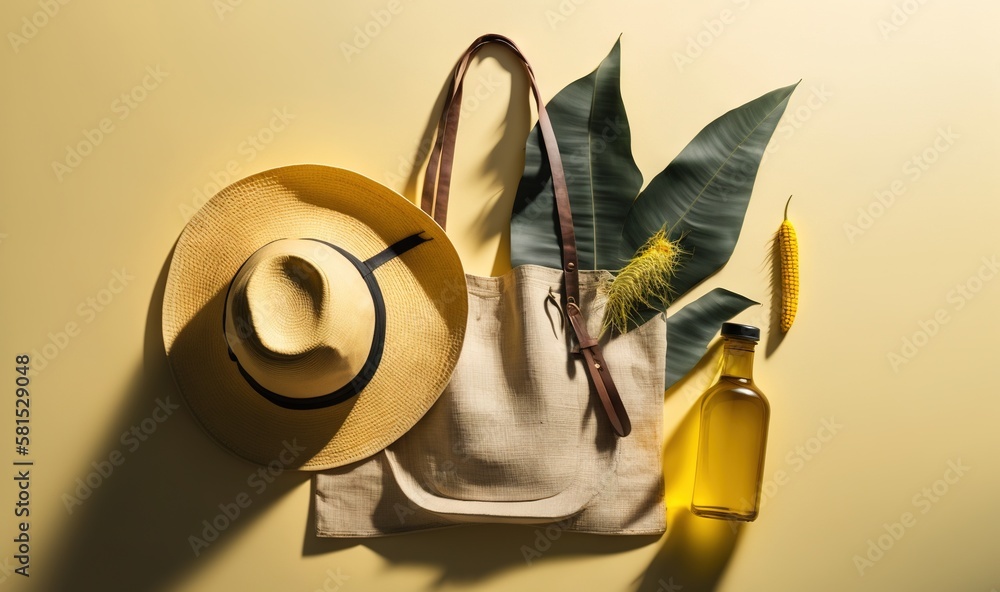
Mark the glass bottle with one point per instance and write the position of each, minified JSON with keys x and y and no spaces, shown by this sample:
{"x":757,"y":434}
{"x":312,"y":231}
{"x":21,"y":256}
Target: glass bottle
{"x":733,"y":435}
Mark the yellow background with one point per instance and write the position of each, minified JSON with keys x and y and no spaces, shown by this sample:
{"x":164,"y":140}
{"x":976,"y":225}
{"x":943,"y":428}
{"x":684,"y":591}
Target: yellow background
{"x":874,"y":96}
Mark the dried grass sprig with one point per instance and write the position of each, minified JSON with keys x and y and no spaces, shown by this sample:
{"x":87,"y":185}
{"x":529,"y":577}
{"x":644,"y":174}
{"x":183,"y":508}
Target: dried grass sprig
{"x":643,"y":283}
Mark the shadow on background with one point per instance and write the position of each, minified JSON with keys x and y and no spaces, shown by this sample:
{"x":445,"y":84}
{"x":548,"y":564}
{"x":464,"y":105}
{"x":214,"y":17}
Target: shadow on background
{"x":694,"y":554}
{"x":695,"y":551}
{"x":774,"y":334}
{"x":474,"y":552}
{"x":494,"y":217}
{"x":131,"y":533}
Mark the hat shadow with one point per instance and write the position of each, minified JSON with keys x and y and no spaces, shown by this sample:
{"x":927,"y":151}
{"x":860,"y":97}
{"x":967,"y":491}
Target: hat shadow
{"x":204,"y":333}
{"x":132,"y":530}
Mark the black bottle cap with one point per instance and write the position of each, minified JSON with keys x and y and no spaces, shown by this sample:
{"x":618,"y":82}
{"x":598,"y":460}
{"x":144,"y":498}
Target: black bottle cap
{"x":739,"y":331}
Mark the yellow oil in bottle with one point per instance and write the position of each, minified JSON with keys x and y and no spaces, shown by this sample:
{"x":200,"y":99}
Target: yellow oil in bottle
{"x":733,"y":434}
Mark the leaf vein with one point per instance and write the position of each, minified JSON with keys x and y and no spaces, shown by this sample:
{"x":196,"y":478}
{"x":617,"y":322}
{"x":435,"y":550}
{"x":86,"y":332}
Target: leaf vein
{"x":723,"y":165}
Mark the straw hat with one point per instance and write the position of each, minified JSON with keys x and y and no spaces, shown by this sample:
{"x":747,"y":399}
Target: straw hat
{"x":311,"y":316}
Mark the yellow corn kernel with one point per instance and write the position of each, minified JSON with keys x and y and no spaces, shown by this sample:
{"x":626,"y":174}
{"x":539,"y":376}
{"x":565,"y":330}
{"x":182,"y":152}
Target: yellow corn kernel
{"x":788,"y":247}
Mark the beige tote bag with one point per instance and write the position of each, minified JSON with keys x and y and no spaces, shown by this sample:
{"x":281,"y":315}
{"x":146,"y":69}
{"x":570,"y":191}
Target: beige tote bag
{"x":531,"y":428}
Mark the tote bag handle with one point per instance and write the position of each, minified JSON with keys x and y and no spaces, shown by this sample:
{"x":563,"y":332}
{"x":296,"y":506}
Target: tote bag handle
{"x":437,"y":185}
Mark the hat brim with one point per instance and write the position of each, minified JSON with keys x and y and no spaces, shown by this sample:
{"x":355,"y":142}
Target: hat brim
{"x":425,"y":301}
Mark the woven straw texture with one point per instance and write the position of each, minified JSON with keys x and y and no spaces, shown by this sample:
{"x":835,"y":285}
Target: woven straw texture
{"x":424,"y":292}
{"x":517,"y":435}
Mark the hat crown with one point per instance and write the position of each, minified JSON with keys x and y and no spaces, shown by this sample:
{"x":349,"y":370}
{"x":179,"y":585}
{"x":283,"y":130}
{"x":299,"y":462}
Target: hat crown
{"x":301,"y":319}
{"x":288,"y":306}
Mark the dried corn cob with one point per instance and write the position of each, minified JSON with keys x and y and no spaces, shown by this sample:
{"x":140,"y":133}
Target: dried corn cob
{"x":788,"y":248}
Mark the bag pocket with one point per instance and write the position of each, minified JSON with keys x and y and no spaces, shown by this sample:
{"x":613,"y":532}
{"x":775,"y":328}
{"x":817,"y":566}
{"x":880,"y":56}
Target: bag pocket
{"x":517,"y":420}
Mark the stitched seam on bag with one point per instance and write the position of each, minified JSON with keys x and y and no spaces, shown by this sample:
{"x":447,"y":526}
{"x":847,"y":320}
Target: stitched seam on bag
{"x":623,"y":531}
{"x":538,"y":275}
{"x":376,"y":533}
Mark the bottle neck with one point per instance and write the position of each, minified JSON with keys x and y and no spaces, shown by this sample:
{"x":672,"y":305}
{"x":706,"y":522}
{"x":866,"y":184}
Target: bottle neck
{"x":737,"y":358}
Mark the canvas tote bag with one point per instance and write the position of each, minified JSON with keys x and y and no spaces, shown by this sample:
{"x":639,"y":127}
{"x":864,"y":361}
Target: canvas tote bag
{"x":531,"y":428}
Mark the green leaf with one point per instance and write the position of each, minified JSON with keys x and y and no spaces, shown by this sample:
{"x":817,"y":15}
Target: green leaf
{"x":702,"y":195}
{"x":691,"y":328}
{"x":595,"y":142}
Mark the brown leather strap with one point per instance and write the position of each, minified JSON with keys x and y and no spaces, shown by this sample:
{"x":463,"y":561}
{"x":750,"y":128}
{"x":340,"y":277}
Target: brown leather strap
{"x":434,"y":201}
{"x":600,"y":374}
